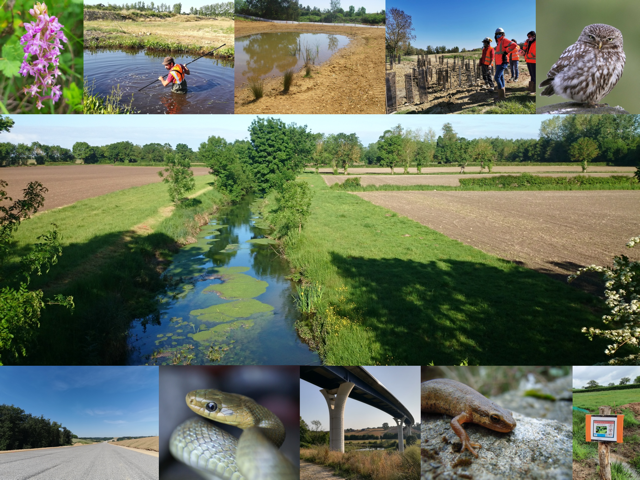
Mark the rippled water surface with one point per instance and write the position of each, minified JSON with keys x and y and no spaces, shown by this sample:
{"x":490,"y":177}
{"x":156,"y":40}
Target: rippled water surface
{"x":271,"y":54}
{"x":210,"y":83}
{"x":230,"y":303}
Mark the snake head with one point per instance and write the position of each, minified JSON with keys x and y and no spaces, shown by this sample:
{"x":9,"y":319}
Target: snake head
{"x":219,"y":406}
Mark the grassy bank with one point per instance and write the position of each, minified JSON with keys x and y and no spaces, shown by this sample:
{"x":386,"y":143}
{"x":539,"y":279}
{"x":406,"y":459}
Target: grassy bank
{"x":114,"y":250}
{"x":157,"y":45}
{"x":105,"y":105}
{"x":397,"y":292}
{"x":374,"y":465}
{"x":173,"y":33}
{"x":524,"y":182}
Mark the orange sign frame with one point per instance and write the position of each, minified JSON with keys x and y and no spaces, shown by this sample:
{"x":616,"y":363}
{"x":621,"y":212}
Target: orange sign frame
{"x":619,"y":419}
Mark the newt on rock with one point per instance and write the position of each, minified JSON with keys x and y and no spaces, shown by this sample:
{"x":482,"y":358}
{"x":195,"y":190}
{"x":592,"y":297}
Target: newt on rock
{"x":462,"y":402}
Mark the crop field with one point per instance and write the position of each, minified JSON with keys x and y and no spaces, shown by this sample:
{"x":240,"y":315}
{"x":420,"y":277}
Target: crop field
{"x":68,"y":184}
{"x":148,"y":443}
{"x":554,"y":232}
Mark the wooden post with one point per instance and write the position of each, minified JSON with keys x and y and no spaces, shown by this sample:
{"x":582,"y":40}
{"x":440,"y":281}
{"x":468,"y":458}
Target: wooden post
{"x":604,"y":450}
{"x":408,"y":86}
{"x":392,"y":105}
{"x":422,"y":86}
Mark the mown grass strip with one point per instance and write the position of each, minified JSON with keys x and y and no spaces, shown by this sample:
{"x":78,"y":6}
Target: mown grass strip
{"x":114,"y":249}
{"x":405,"y":294}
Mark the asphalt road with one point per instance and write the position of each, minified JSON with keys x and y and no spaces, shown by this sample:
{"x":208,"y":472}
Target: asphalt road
{"x":89,"y":462}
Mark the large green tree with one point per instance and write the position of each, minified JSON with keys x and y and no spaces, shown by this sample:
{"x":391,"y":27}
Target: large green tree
{"x":272,"y":156}
{"x":390,"y":146}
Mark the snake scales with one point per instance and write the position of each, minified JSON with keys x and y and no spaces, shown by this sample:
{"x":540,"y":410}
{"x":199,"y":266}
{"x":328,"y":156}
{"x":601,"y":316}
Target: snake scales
{"x":216,"y":454}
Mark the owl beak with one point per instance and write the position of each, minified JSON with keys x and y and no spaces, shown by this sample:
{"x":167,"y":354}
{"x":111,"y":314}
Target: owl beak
{"x":599,"y":45}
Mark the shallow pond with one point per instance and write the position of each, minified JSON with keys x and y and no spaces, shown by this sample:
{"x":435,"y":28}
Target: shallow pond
{"x":271,"y":54}
{"x":210,"y":85}
{"x":230,"y":303}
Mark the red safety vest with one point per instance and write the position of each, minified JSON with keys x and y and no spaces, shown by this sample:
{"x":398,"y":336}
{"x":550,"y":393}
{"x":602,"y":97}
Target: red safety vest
{"x":487,"y":56}
{"x":178,"y":73}
{"x":530,"y":54}
{"x":504,"y":45}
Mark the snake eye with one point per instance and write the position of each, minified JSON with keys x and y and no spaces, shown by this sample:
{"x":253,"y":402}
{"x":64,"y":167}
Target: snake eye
{"x":211,"y":407}
{"x":495,"y":418}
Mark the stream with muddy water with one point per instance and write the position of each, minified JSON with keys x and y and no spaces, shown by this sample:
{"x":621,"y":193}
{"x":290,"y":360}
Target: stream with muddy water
{"x":271,"y":54}
{"x":229,"y":302}
{"x":210,"y":85}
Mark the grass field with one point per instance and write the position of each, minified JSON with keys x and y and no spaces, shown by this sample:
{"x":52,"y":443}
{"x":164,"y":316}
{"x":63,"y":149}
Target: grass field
{"x":114,"y":249}
{"x":614,"y":398}
{"x":396,"y":292}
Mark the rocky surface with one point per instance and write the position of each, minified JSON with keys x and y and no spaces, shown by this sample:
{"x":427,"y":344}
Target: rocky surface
{"x":573,"y":107}
{"x":540,"y":447}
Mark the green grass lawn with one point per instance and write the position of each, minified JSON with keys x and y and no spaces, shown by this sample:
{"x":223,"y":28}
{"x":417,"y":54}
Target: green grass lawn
{"x":614,"y":398}
{"x":404,"y":294}
{"x":111,"y":270}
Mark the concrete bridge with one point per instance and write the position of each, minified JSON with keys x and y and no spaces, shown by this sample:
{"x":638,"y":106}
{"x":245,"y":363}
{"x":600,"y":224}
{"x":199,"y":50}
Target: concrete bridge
{"x":339,"y":383}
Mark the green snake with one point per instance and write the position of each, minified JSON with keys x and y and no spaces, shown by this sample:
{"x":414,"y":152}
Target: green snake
{"x":216,"y":454}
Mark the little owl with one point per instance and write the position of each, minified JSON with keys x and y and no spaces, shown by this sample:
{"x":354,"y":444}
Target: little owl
{"x":589,"y":69}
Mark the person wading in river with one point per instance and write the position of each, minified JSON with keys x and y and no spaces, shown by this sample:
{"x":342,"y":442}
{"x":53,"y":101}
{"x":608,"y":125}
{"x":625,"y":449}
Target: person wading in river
{"x":176,"y":75}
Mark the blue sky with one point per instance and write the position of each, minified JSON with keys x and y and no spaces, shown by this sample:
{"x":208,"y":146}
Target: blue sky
{"x":464,"y":23}
{"x":402,"y":382}
{"x":65,"y":130}
{"x":89,"y":401}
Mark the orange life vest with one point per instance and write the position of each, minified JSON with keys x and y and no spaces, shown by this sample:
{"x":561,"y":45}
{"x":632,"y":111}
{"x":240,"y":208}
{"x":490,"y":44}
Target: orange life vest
{"x":530,"y":55}
{"x":178,"y":73}
{"x":503,"y":45}
{"x":487,"y":56}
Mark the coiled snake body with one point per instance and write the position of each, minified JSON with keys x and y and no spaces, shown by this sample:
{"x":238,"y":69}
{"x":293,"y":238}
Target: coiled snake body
{"x":216,"y":454}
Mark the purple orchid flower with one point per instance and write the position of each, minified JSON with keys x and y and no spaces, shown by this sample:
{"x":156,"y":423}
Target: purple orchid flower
{"x":42,"y":39}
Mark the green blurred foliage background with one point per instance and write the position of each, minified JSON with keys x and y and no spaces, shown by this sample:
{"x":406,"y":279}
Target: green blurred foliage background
{"x":13,"y":15}
{"x":560,"y":23}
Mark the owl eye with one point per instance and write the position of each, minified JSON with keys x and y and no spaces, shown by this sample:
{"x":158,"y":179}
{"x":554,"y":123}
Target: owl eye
{"x":592,"y":37}
{"x":610,"y":39}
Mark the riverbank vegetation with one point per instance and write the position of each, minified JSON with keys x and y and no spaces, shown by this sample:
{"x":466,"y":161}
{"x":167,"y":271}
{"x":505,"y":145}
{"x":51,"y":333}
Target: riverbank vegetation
{"x":114,"y":248}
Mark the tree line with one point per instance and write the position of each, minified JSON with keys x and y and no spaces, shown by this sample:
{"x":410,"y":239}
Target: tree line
{"x":20,"y":430}
{"x":291,"y":10}
{"x":612,"y":139}
{"x":118,"y":152}
{"x":223,"y":9}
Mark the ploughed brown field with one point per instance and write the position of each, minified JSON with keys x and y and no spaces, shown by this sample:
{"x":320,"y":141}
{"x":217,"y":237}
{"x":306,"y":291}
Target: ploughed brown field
{"x":554,"y":232}
{"x":69,"y":183}
{"x":149,"y":443}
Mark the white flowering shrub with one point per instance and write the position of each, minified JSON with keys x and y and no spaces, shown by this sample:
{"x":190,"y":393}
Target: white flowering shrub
{"x":622,"y":291}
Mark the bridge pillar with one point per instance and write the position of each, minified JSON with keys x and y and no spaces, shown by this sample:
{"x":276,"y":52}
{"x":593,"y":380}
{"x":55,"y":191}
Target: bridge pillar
{"x":336,"y":401}
{"x":400,"y":424}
